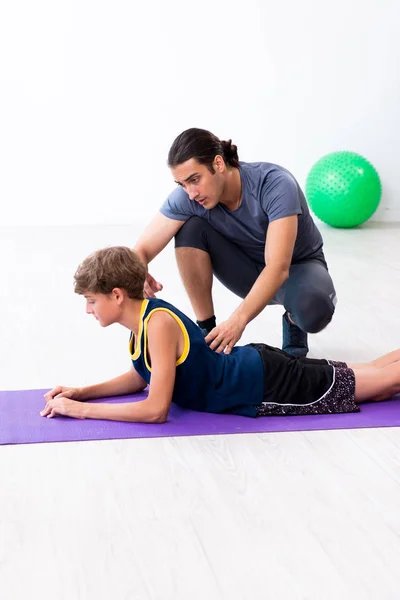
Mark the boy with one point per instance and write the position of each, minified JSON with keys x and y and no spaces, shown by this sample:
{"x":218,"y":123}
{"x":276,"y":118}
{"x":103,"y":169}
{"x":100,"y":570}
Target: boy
{"x":168,"y":351}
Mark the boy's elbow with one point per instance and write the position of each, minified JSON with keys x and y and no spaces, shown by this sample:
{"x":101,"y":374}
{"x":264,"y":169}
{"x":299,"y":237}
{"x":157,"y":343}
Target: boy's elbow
{"x":158,"y":417}
{"x":161,"y":418}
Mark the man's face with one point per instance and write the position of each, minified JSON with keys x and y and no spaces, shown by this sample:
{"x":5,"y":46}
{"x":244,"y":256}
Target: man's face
{"x":199,"y":183}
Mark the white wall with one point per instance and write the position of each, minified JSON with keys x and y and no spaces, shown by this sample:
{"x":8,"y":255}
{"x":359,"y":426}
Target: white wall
{"x":92,"y":93}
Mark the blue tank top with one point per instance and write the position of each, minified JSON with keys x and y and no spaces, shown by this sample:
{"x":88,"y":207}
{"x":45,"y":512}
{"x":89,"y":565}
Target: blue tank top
{"x":205,"y":381}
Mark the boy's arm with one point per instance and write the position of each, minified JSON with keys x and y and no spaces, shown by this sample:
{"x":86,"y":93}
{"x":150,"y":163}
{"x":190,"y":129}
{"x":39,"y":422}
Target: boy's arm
{"x":163,"y":335}
{"x":128,"y":383}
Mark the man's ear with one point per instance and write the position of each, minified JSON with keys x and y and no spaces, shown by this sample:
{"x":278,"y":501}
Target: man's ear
{"x":219,"y":164}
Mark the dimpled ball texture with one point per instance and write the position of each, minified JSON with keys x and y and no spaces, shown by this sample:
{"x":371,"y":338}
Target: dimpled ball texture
{"x":343,"y":189}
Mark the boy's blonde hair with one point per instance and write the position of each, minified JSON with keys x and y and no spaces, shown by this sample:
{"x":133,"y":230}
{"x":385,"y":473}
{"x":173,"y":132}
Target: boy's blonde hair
{"x":109,"y":268}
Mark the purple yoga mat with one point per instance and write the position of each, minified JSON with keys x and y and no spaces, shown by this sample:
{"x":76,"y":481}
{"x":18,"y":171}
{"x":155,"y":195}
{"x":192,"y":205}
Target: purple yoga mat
{"x":20,"y":422}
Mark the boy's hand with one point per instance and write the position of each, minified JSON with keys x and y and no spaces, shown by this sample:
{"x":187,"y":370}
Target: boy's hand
{"x":63,"y":406}
{"x":64,"y":392}
{"x":151,"y":286}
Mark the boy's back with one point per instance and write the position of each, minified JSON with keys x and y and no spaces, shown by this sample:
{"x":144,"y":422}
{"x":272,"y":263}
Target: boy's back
{"x":205,"y":380}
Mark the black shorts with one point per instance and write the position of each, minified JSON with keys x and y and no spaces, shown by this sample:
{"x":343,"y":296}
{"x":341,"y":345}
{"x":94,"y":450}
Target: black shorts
{"x":304,"y":386}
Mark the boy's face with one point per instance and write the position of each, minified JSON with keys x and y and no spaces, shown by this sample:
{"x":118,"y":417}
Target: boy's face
{"x":103,"y":307}
{"x":199,"y":183}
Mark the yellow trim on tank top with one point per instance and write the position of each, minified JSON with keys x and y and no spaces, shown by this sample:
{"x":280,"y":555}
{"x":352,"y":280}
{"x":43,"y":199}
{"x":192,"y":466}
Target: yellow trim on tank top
{"x":186,"y":339}
{"x":136,"y":354}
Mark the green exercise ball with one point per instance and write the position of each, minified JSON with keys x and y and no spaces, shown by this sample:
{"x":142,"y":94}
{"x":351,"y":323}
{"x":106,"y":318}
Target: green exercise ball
{"x":343,"y":189}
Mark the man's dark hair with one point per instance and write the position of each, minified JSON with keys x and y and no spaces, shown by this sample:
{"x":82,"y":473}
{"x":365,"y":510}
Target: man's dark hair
{"x":204,"y":146}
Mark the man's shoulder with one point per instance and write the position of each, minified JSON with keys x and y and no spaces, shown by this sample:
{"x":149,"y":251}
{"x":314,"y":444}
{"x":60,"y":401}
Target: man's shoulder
{"x":263,"y":170}
{"x":178,"y":194}
{"x":178,"y":205}
{"x":267,"y":179}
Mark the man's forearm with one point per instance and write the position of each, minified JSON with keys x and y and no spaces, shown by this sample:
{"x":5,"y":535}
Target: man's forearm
{"x":264,"y":289}
{"x":142,"y":255}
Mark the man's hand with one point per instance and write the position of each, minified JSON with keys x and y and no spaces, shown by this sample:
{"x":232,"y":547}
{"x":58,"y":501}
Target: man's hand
{"x":223,"y":337}
{"x":63,"y":406}
{"x":151,"y":286}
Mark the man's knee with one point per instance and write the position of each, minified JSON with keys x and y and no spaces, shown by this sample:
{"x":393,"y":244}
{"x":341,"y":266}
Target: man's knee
{"x":191,"y":234}
{"x":313,"y":311}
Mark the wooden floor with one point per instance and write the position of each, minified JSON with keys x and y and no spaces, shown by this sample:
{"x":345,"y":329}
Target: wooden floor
{"x":311,"y":515}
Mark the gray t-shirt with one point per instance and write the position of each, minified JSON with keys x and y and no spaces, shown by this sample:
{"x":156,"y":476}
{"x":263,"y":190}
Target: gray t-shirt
{"x":269,"y":192}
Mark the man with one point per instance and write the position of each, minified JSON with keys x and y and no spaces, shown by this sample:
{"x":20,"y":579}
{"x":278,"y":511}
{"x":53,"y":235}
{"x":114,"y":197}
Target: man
{"x":249,"y":225}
